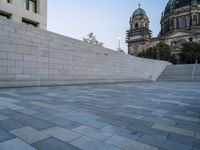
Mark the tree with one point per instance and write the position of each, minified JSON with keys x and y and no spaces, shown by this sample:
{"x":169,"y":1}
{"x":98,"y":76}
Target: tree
{"x":190,"y":52}
{"x":161,"y":52}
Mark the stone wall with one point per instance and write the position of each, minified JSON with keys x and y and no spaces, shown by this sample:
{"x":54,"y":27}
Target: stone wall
{"x":33,"y":57}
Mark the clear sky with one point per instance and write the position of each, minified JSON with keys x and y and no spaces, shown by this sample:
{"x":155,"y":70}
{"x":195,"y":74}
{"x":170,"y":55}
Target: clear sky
{"x":108,"y":19}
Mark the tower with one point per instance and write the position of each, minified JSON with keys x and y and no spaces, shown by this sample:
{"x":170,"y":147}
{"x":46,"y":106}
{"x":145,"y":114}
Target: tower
{"x":139,"y":32}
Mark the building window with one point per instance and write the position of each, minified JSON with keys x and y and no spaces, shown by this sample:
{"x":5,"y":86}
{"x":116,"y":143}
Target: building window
{"x":30,"y":22}
{"x":8,"y":1}
{"x":30,"y":5}
{"x":5,"y":15}
{"x":182,"y":22}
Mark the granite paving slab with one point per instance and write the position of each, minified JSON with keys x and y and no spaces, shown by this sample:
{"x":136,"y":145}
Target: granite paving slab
{"x":93,"y":133}
{"x":53,"y":144}
{"x":142,"y":115}
{"x":61,"y":133}
{"x":5,"y":135}
{"x":15,"y":144}
{"x":29,"y":134}
{"x":128,"y":144}
{"x":10,"y":124}
{"x":86,"y":143}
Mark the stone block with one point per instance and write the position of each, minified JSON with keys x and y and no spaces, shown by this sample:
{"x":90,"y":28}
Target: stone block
{"x":5,"y":63}
{"x":15,"y":70}
{"x":174,"y":130}
{"x":94,"y":133}
{"x":30,"y":58}
{"x":32,"y":122}
{"x":15,"y":144}
{"x":3,"y":55}
{"x":53,"y":144}
{"x":10,"y":124}
{"x":163,"y":143}
{"x":29,"y":134}
{"x":3,"y":70}
{"x":43,"y":59}
{"x":86,"y":143}
{"x":4,"y":135}
{"x":61,"y":133}
{"x":2,"y":117}
{"x":22,"y":63}
{"x":197,"y":135}
{"x":67,"y":124}
{"x":128,"y":144}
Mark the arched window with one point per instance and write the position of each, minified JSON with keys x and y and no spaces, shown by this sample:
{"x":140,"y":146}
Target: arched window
{"x":136,"y":26}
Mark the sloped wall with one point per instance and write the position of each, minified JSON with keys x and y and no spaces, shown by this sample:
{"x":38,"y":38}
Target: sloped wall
{"x":35,"y":57}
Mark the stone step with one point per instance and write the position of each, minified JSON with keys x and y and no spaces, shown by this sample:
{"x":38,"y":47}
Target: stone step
{"x":180,"y":73}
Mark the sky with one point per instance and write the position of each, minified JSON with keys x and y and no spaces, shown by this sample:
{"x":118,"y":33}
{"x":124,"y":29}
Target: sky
{"x":107,"y":19}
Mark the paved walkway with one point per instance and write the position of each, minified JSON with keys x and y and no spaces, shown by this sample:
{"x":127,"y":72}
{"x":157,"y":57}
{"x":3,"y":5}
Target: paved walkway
{"x":136,"y":116}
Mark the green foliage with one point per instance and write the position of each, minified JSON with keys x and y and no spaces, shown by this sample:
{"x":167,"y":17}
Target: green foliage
{"x":190,"y":53}
{"x":161,"y":51}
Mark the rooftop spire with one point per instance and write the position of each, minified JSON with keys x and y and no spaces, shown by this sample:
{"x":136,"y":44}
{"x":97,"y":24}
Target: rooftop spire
{"x":139,"y":5}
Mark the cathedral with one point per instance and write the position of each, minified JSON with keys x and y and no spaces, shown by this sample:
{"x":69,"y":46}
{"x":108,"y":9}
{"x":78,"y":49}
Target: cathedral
{"x":180,"y":23}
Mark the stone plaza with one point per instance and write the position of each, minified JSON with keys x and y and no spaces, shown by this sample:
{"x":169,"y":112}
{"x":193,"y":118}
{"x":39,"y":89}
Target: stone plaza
{"x":123,"y":116}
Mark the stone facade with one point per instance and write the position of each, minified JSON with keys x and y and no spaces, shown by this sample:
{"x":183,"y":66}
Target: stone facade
{"x":32,"y":12}
{"x":180,"y":23}
{"x":33,"y":57}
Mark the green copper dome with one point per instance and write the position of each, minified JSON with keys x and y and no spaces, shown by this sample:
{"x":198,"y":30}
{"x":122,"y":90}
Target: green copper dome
{"x":138,"y":12}
{"x":174,"y":4}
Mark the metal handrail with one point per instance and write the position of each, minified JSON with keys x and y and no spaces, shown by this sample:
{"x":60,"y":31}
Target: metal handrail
{"x":193,"y":70}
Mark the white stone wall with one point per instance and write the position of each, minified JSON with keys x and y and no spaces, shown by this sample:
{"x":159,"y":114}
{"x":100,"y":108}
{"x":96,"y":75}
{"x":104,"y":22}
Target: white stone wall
{"x":15,"y":8}
{"x":33,"y":57}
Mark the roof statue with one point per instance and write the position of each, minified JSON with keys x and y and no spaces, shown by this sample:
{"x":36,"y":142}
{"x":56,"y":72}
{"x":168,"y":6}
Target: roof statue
{"x":91,"y":38}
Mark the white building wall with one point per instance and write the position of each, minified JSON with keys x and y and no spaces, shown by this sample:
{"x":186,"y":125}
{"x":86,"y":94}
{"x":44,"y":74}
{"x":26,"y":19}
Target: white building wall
{"x":15,"y":8}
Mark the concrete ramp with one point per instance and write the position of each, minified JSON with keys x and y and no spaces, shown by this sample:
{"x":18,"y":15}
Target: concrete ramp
{"x":190,"y":72}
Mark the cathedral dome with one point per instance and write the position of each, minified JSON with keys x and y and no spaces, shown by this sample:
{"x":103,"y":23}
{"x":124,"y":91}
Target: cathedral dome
{"x":174,"y":4}
{"x":139,"y":11}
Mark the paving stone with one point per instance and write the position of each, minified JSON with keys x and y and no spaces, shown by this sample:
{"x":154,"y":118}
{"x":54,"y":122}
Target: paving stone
{"x":93,"y":133}
{"x":4,"y":135}
{"x":61,"y":133}
{"x":114,"y":122}
{"x":82,"y":120}
{"x":174,"y":130}
{"x":27,"y":111}
{"x":7,"y":112}
{"x":128,"y":144}
{"x":160,"y":112}
{"x":29,"y":134}
{"x":2,"y":117}
{"x":121,"y":132}
{"x":53,"y":144}
{"x":184,"y":140}
{"x":148,"y":130}
{"x":43,"y":116}
{"x":10,"y":124}
{"x":67,"y":124}
{"x":45,"y":105}
{"x":100,"y":107}
{"x":163,"y":143}
{"x":15,"y":144}
{"x":197,"y":135}
{"x":189,"y":126}
{"x":32,"y":122}
{"x":86,"y":143}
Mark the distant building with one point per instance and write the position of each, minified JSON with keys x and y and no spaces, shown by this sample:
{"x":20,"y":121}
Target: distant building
{"x":180,"y":23}
{"x":31,"y":12}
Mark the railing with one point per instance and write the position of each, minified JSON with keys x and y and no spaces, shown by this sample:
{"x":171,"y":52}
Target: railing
{"x":193,"y":70}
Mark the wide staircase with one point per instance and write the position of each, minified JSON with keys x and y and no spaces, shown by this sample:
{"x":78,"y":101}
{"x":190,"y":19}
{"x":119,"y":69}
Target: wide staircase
{"x":189,"y":72}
